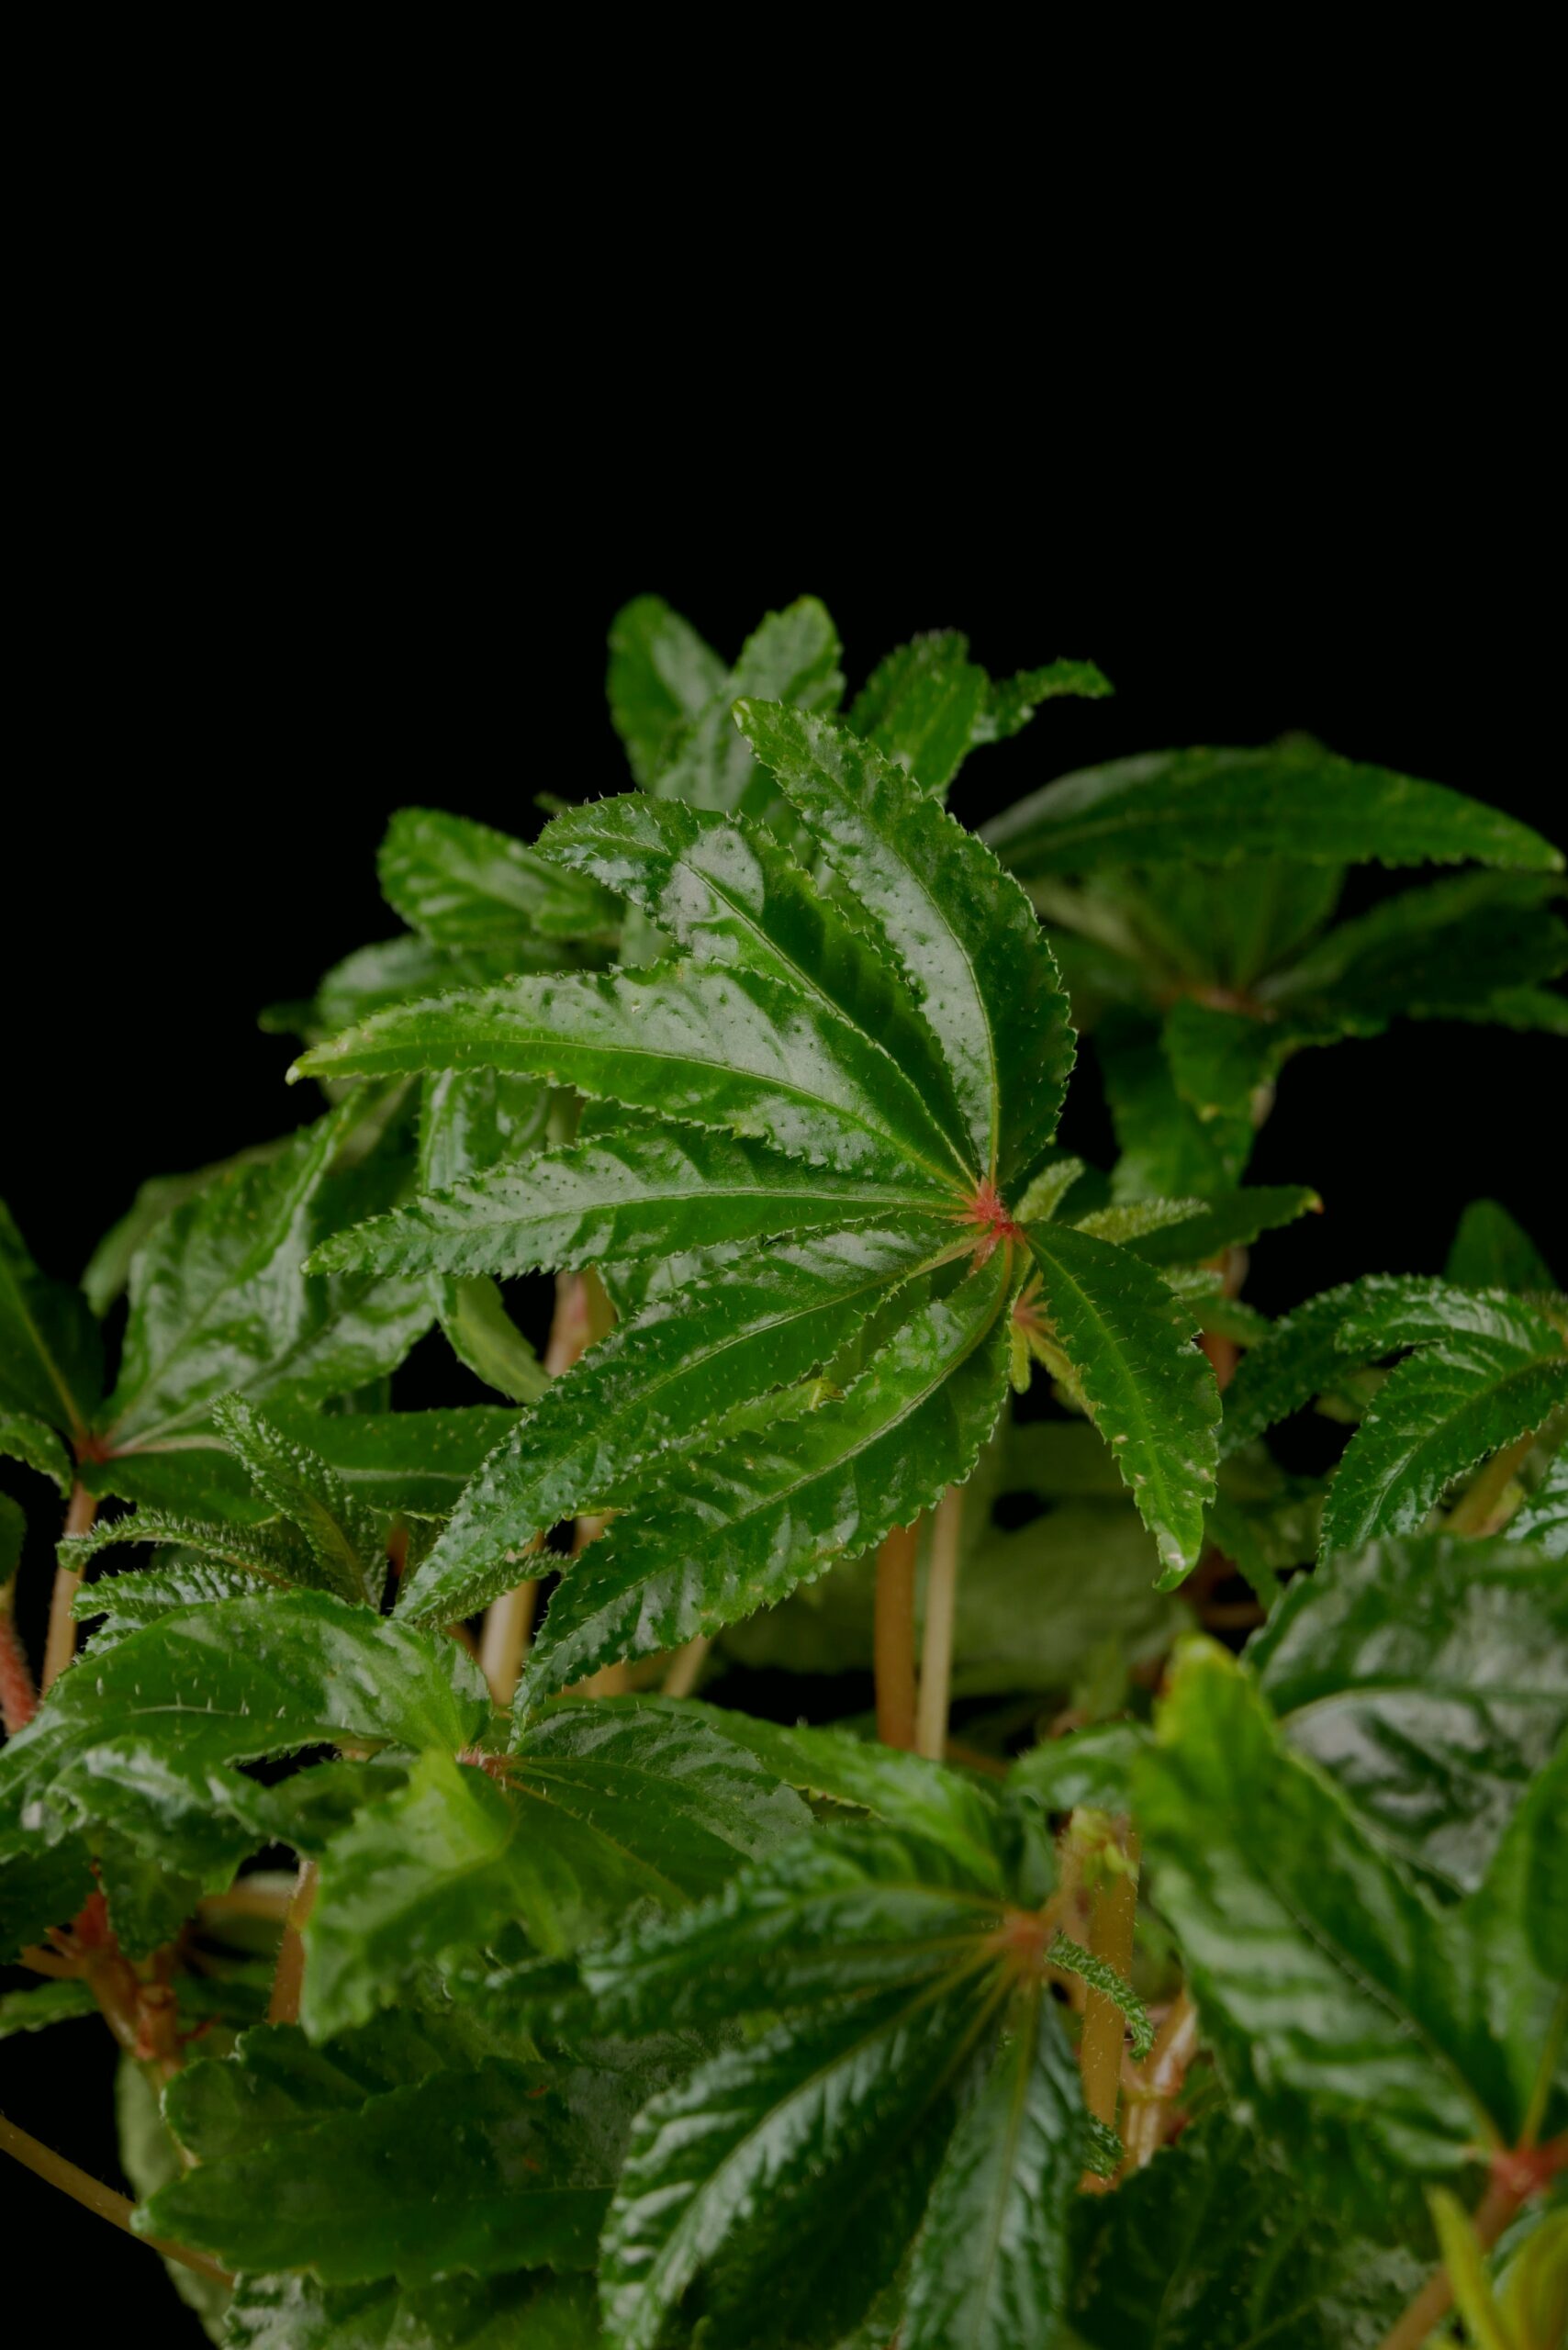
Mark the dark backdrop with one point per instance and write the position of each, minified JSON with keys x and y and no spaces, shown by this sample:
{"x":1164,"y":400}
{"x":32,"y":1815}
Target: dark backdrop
{"x":221,"y":703}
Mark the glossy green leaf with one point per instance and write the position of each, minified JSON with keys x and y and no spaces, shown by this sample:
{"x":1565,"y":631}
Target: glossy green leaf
{"x":1341,"y":2006}
{"x":211,"y":1684}
{"x":345,"y":1538}
{"x":1214,"y":2248}
{"x":50,"y":1355}
{"x":1516,"y":1922}
{"x":718,"y":1047}
{"x":755,"y":2192}
{"x":1231,"y":1220}
{"x":792,"y":656}
{"x":528,"y":2311}
{"x":662,"y":676}
{"x":1490,"y":1250}
{"x":1435,"y":1416}
{"x":37,"y":2009}
{"x":735,"y":1528}
{"x":462,"y":2173}
{"x":922,"y":704}
{"x":1147,"y":1386}
{"x":1289,"y":798}
{"x":1305,"y":1351}
{"x":201,"y":1482}
{"x":1088,"y":1769}
{"x":724,"y":890}
{"x":1430,"y":1676}
{"x":618,"y":1197}
{"x":466,"y":887}
{"x":651,"y":1388}
{"x":473,"y":1118}
{"x":991,"y":2261}
{"x":413,"y":1462}
{"x":219,"y":1303}
{"x":108,"y":1268}
{"x":268,"y":1550}
{"x":1167,"y":1149}
{"x":24,"y":1437}
{"x":1541,"y":1519}
{"x":1438,"y":953}
{"x":967,"y":943}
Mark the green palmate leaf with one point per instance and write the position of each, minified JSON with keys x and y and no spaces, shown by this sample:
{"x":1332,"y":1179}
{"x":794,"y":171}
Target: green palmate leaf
{"x":1229,"y":1221}
{"x":1291,"y":799}
{"x":719,"y":1047}
{"x":466,"y":887}
{"x":990,"y":2265}
{"x":622,"y":1196}
{"x":1147,"y":1384}
{"x":1134,"y":1219}
{"x":1542,"y":1518}
{"x":653,"y":1384}
{"x":345,"y":1537}
{"x":415,"y":1462}
{"x":198,"y":1482}
{"x":967,"y":943}
{"x":1434,"y":1417}
{"x":1034,"y":1604}
{"x":742,"y":1525}
{"x":1309,"y":1350}
{"x":724,"y":890}
{"x":219,"y":1303}
{"x":24,"y":1437}
{"x":851,"y":1911}
{"x":774,"y":2189}
{"x":528,"y":2311}
{"x":465,"y":2172}
{"x":604,"y":1808}
{"x":1213,"y":2248}
{"x":35,"y":2010}
{"x":791,"y":657}
{"x":1491,"y":1251}
{"x":920,"y":706}
{"x":1343,"y":2009}
{"x":662,"y":676}
{"x":152,"y":1723}
{"x":50,"y":1355}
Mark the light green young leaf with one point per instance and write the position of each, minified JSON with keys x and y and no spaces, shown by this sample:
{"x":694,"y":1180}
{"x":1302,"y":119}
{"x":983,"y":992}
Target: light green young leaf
{"x":36,"y":2008}
{"x":921,"y":706}
{"x":1291,"y":799}
{"x":967,"y":943}
{"x":1011,"y":702}
{"x":662,"y":676}
{"x":735,"y":1529}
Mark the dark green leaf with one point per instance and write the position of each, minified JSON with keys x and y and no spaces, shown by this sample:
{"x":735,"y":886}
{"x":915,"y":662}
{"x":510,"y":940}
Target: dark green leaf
{"x":24,"y":1437}
{"x":652,"y":1388}
{"x":475,"y":1118}
{"x":1516,"y":1924}
{"x":1213,"y":2248}
{"x":1430,"y":1676}
{"x":1167,"y":1149}
{"x":201,"y":1482}
{"x":413,"y":1462}
{"x":13,"y":1534}
{"x":468,"y":888}
{"x":108,"y":1268}
{"x":620,"y":1196}
{"x":967,"y":943}
{"x":269,"y":1549}
{"x":1438,"y":953}
{"x":465,"y":2173}
{"x":662,"y":676}
{"x":1491,"y":1251}
{"x":36,"y":2009}
{"x":1089,"y":1768}
{"x":1147,"y":1386}
{"x":1289,"y":798}
{"x":530,"y":2310}
{"x":719,"y":1047}
{"x":1542,"y":1518}
{"x":735,"y":1529}
{"x":990,"y":2260}
{"x":51,"y":1354}
{"x":40,"y":1885}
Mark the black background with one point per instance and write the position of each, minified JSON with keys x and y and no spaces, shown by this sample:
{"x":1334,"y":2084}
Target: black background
{"x":235,"y":662}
